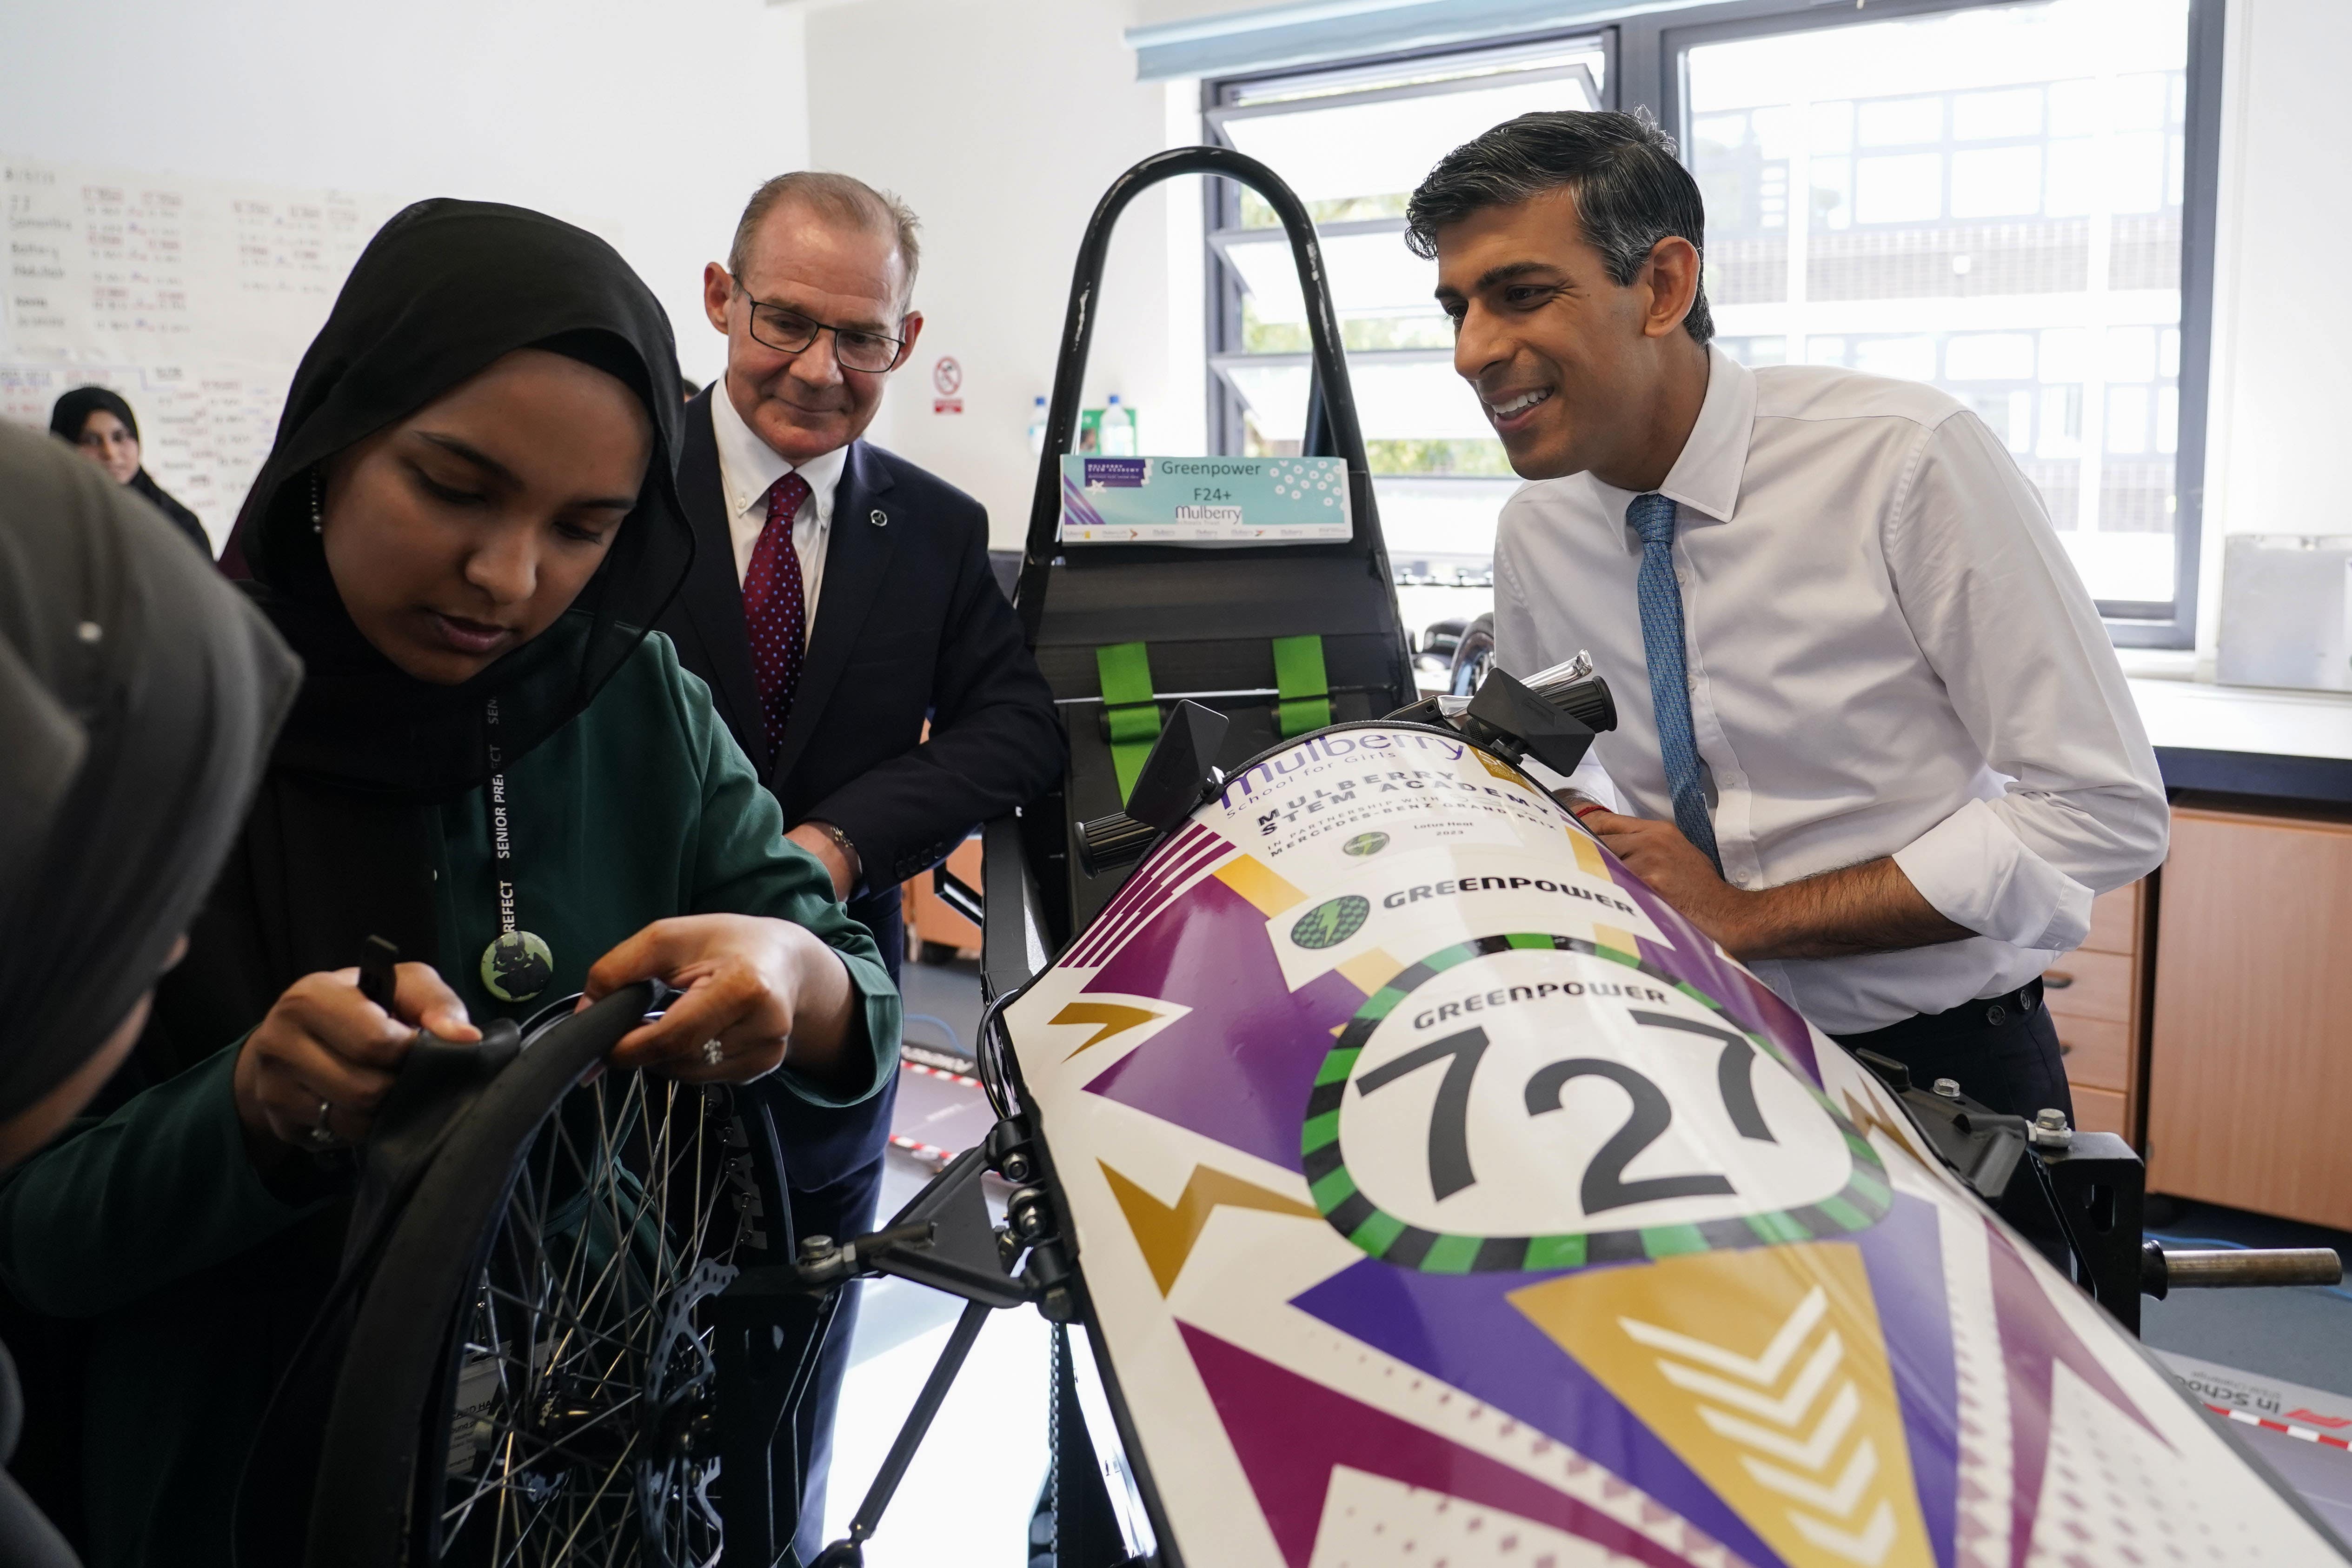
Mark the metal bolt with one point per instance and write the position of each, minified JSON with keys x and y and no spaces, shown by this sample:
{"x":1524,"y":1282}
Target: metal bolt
{"x":2050,"y":1130}
{"x":1025,"y":1212}
{"x":1016,"y":1167}
{"x":816,"y":1249}
{"x":1949,"y":1088}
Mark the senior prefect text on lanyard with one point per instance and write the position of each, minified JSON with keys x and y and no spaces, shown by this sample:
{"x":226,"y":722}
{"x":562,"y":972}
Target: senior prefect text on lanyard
{"x":517,"y":965}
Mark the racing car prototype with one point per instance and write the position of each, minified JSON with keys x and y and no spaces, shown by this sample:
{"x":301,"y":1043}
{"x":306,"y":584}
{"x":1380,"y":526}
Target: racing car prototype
{"x":1443,"y":1196}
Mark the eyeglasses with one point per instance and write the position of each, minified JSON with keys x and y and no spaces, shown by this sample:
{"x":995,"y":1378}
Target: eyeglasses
{"x":789,"y":331}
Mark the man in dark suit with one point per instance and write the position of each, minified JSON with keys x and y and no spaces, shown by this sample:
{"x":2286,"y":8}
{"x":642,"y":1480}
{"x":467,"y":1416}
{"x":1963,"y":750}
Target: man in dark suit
{"x":840,"y":596}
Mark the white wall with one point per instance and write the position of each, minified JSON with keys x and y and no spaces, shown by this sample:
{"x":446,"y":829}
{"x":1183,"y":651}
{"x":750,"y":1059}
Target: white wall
{"x":2282,"y":379}
{"x":1000,"y":125}
{"x":652,"y":122}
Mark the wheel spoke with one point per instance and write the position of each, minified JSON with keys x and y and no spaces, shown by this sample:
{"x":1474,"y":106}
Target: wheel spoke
{"x":578,"y":1376}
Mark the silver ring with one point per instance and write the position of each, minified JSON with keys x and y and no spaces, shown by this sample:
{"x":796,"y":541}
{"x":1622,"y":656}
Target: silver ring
{"x":712,"y":1052}
{"x":321,"y":1135}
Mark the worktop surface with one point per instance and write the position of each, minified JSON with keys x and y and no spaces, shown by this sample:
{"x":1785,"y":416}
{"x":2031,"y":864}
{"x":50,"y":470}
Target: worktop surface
{"x":2245,"y":740}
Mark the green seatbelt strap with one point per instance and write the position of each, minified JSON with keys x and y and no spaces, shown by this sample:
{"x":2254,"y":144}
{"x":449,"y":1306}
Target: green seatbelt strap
{"x":1304,"y":691}
{"x":1134,"y":717}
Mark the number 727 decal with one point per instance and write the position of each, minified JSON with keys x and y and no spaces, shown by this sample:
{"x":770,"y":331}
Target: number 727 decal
{"x":1769,"y":1158}
{"x":1604,"y":1186}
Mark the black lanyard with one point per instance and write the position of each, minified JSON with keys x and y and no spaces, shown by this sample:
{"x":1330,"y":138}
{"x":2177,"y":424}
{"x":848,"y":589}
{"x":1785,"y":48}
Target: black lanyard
{"x":517,"y":965}
{"x":501,"y":837}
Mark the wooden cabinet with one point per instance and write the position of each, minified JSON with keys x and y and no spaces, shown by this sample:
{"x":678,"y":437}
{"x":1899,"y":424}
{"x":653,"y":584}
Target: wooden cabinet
{"x":2095,"y":995}
{"x":2103,"y":1110}
{"x":929,"y":919}
{"x":2250,"y":1069}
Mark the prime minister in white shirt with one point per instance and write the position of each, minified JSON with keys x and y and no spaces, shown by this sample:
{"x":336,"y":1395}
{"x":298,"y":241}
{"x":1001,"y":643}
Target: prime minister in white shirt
{"x":1918,"y":758}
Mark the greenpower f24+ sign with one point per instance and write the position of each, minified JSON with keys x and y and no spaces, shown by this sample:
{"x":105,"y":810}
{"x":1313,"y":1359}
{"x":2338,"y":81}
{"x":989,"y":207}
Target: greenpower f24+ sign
{"x":1204,"y":500}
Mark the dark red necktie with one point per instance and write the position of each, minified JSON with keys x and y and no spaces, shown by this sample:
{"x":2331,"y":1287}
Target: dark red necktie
{"x":775,"y":608}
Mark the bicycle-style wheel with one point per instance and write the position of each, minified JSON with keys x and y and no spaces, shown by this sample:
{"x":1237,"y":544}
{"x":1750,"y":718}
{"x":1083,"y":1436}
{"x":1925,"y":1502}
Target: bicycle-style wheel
{"x":530,"y":1379}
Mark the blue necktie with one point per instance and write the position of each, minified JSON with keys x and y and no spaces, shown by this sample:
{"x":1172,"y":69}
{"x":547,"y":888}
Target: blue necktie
{"x":1652,"y":517}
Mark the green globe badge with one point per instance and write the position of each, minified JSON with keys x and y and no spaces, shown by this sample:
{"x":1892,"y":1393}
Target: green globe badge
{"x":517,"y":966}
{"x":1366,"y":844}
{"x":1329,"y":924}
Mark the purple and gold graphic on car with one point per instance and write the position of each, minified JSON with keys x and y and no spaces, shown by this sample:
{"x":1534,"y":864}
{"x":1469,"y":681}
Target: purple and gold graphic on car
{"x":1442,"y":1195}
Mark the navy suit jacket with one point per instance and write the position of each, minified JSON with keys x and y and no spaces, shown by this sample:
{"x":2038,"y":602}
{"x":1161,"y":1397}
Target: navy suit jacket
{"x":910,"y":625}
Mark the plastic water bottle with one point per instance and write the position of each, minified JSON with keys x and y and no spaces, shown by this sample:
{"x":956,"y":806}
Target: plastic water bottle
{"x":1117,"y":429}
{"x":1037,"y":429}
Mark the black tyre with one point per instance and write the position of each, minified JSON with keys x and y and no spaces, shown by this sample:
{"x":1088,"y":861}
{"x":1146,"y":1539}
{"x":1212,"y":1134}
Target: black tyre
{"x":1472,"y":656}
{"x":529,"y":1377}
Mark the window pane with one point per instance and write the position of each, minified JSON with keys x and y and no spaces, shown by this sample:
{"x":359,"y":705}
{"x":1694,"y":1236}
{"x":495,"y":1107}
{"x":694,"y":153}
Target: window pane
{"x":1907,"y":189}
{"x":1443,"y":529}
{"x":1753,"y":351}
{"x":1403,"y":400}
{"x":1997,"y":182}
{"x":1984,"y":116}
{"x":1990,"y":356}
{"x":1412,"y":402}
{"x":1274,"y":397}
{"x":1385,"y":146}
{"x":1429,"y":70}
{"x":1353,"y":142}
{"x":1902,"y":123}
{"x":1911,"y":359}
{"x":2011,"y":174}
{"x":1371,"y":274}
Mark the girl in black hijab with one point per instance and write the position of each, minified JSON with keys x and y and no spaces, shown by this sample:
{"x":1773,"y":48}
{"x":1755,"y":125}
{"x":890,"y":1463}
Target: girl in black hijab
{"x":100,"y":424}
{"x":466,"y":525}
{"x":130,"y":673}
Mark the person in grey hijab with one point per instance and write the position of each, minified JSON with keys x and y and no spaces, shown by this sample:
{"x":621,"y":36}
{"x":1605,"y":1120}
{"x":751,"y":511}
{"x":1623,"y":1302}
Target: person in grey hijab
{"x":138,"y":696}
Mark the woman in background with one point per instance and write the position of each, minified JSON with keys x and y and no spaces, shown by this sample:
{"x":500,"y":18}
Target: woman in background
{"x":102,"y":424}
{"x":128,"y":674}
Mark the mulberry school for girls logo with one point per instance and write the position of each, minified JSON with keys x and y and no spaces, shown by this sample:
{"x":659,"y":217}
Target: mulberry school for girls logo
{"x":1329,"y":924}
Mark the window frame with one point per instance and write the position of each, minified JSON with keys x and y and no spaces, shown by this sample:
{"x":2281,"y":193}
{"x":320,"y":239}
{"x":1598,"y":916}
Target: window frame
{"x":1222,"y":198}
{"x":1644,"y":67}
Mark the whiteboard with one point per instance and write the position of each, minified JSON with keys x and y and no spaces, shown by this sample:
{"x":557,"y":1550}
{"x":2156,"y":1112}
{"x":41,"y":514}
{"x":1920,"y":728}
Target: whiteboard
{"x":192,"y":298}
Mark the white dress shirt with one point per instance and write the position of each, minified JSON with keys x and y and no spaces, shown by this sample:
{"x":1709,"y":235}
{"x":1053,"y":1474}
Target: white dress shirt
{"x":748,"y":469}
{"x":1889,"y":654}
